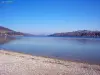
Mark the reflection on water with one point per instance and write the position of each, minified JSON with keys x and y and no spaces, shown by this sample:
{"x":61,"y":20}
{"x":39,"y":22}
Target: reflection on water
{"x":5,"y":39}
{"x":81,"y":49}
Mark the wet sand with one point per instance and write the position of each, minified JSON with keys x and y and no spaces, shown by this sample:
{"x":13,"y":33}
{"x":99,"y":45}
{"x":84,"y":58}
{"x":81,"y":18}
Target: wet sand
{"x":13,"y":63}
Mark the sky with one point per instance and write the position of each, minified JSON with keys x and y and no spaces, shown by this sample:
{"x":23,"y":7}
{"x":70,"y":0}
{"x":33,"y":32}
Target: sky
{"x":50,"y":16}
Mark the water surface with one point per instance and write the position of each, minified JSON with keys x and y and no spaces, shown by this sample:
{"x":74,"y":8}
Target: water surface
{"x":80,"y":49}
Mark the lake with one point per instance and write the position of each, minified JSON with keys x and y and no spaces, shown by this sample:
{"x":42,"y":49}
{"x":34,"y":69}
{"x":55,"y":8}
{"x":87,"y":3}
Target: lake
{"x":70,"y":48}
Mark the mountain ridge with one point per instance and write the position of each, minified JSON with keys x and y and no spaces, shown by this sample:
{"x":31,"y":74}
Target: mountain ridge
{"x":79,"y":33}
{"x":10,"y":32}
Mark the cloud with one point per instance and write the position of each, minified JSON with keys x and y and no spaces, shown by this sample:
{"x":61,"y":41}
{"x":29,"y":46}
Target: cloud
{"x":6,"y":2}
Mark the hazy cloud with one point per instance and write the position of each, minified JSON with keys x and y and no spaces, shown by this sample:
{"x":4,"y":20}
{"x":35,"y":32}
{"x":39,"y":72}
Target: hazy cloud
{"x":6,"y":1}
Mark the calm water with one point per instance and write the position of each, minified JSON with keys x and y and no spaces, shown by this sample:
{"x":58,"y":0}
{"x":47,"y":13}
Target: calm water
{"x":80,"y":49}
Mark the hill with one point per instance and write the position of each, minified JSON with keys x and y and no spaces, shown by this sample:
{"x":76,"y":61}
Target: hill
{"x":7,"y":31}
{"x":79,"y":33}
{"x":3,"y":29}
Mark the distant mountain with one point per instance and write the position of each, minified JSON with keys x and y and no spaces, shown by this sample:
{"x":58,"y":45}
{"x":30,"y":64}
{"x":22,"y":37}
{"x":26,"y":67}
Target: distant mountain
{"x":3,"y":29}
{"x":79,"y":33}
{"x":7,"y":31}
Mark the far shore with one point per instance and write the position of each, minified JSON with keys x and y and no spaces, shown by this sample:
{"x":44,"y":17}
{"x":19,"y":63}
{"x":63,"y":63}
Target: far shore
{"x":14,"y":63}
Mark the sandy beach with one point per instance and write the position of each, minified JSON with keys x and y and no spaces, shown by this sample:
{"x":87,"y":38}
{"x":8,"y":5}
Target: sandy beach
{"x":13,"y":63}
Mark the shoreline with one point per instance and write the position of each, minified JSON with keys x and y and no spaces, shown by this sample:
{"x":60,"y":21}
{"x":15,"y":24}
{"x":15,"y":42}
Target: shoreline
{"x":26,"y":64}
{"x":71,"y":60}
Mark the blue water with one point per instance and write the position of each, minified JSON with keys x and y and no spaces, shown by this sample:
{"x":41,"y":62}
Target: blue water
{"x":80,"y":49}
